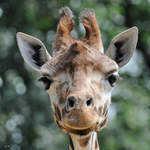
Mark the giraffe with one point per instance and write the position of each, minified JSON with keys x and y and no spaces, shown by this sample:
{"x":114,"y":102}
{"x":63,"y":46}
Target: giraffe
{"x":79,"y":78}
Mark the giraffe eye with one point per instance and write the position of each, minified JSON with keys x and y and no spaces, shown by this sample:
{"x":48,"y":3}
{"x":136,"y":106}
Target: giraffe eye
{"x":46,"y":81}
{"x":112,"y":79}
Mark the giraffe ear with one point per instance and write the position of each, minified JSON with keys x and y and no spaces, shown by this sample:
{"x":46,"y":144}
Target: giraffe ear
{"x":32,"y":50}
{"x":122,"y":46}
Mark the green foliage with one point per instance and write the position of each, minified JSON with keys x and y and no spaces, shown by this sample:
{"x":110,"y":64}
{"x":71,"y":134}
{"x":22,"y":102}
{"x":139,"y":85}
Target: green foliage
{"x":26,"y":121}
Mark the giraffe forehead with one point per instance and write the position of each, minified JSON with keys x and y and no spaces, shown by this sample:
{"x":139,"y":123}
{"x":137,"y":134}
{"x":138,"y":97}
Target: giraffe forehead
{"x":92,"y":60}
{"x":86,"y":68}
{"x":87,"y":57}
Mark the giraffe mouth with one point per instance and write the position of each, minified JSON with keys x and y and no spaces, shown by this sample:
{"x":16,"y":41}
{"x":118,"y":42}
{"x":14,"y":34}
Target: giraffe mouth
{"x":79,"y":130}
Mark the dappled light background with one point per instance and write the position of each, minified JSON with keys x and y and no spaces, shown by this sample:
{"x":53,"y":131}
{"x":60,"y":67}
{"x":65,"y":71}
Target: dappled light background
{"x":26,"y":121}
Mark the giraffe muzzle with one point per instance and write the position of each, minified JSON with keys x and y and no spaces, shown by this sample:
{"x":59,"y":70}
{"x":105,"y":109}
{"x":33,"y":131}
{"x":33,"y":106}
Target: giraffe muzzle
{"x":80,"y":118}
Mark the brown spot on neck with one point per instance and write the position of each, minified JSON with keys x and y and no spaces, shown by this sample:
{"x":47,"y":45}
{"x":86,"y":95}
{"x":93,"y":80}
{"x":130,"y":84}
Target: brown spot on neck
{"x":71,"y":143}
{"x":84,"y":142}
{"x":96,"y":145}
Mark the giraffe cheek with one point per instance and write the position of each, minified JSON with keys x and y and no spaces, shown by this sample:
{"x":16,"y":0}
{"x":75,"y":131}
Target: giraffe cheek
{"x":57,"y":113}
{"x":103,"y":115}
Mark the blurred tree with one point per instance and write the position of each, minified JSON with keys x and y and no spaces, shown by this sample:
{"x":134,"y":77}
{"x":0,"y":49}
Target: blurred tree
{"x":26,"y":121}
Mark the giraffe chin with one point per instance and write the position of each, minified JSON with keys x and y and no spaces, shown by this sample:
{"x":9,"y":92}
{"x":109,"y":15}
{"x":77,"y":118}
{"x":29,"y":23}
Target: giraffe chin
{"x":79,"y":130}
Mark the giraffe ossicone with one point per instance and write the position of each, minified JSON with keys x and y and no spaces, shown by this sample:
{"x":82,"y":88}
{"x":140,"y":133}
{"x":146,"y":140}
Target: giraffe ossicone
{"x":79,"y":78}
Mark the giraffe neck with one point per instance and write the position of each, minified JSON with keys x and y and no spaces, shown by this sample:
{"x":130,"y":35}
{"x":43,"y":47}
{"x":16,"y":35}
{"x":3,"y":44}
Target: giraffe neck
{"x":88,"y":142}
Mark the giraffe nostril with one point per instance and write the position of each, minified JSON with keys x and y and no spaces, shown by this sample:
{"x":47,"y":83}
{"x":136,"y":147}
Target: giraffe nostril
{"x":89,"y":102}
{"x":71,"y":101}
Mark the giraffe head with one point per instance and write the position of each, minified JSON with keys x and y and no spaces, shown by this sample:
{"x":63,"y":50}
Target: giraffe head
{"x":79,"y":77}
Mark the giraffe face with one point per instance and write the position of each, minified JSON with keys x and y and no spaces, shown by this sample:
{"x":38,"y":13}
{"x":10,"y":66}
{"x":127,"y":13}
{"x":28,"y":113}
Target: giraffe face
{"x":80,"y":91}
{"x":79,"y":77}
